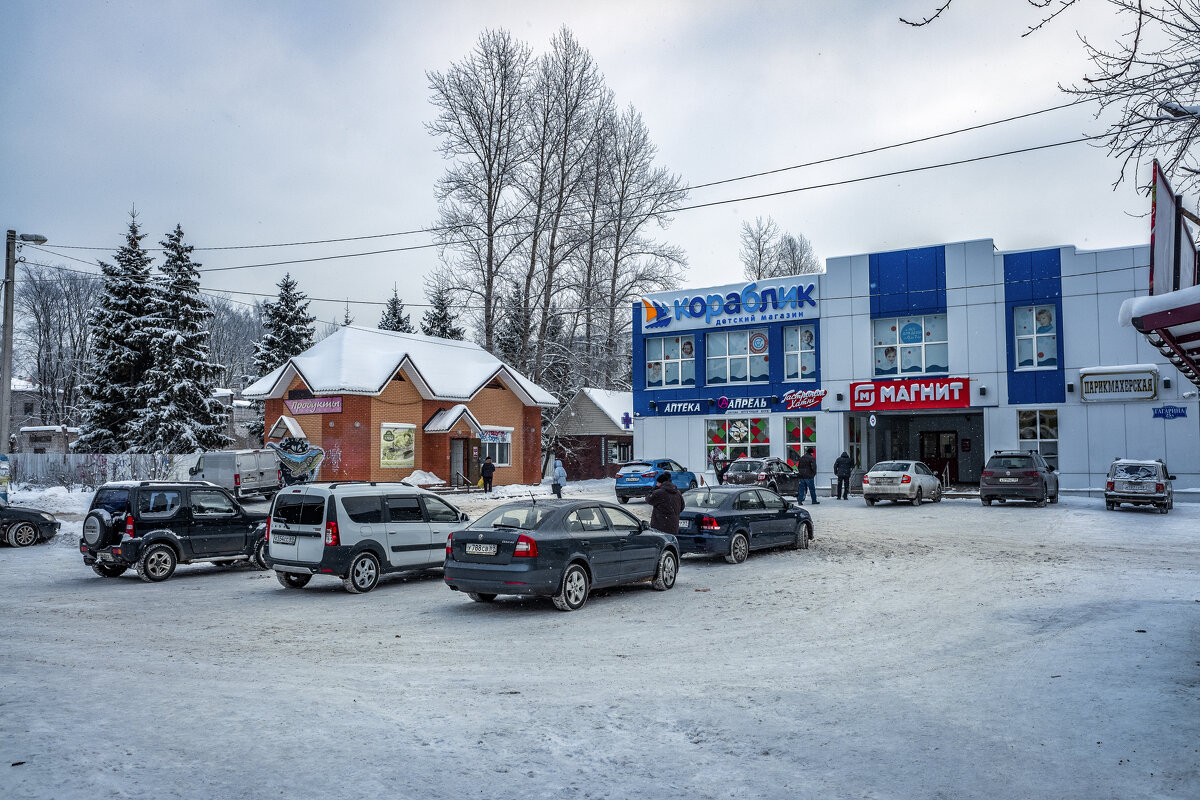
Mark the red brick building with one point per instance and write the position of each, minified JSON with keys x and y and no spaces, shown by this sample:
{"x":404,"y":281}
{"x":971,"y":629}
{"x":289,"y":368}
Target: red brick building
{"x":594,"y":432}
{"x":386,"y":405}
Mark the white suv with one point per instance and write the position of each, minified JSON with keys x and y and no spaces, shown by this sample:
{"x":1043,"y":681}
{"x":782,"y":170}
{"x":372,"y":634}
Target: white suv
{"x":356,"y":531}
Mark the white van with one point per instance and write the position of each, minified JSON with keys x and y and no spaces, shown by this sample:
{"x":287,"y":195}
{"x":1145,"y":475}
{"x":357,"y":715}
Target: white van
{"x":242,"y":472}
{"x":357,"y":531}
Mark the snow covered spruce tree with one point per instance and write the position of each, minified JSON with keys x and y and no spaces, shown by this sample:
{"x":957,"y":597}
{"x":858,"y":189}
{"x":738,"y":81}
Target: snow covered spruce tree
{"x":120,"y":349}
{"x":439,"y":320}
{"x":180,"y":414}
{"x":287,"y":331}
{"x":393,"y":317}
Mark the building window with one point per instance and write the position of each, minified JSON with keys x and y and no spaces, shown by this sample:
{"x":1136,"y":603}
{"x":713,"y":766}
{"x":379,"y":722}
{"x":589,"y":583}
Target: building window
{"x":670,"y":361}
{"x":1038,"y":430}
{"x":29,"y":409}
{"x":800,"y":436}
{"x":1036,"y":331}
{"x":496,"y":443}
{"x":800,"y":352}
{"x":737,"y":357}
{"x":911,"y":345}
{"x":620,"y":451}
{"x":733,"y":438}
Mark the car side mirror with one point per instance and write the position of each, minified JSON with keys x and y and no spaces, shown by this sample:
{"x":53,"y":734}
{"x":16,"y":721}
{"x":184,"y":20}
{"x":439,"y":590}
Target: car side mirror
{"x":463,"y":517}
{"x":1170,"y":477}
{"x":193,"y":470}
{"x":643,"y":525}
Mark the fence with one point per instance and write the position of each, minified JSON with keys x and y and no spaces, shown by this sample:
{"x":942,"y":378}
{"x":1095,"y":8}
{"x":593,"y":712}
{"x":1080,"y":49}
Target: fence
{"x":89,"y":470}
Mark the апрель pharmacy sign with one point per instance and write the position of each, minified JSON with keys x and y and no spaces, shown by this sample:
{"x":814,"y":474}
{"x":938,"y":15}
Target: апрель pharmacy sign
{"x":1118,"y":386}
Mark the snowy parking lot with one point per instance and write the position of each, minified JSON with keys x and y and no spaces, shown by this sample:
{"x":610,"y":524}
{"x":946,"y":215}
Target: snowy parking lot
{"x":945,"y":651}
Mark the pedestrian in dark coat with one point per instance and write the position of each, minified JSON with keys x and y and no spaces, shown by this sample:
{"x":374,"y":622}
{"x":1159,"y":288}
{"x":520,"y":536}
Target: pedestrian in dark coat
{"x":486,"y":472}
{"x":842,"y":468}
{"x":806,"y":470}
{"x":667,"y":502}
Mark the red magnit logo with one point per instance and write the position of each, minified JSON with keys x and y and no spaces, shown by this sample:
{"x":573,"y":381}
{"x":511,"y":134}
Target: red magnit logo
{"x":864,"y":395}
{"x":809,"y":398}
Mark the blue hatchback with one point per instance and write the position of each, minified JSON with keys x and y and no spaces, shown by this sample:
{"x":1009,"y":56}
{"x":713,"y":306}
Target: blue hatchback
{"x":638,"y":478}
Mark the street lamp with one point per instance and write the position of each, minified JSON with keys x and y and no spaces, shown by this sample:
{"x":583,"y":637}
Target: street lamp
{"x":10,"y":285}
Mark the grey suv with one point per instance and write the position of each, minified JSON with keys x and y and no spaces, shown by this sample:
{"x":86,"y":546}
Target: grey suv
{"x":1139,"y":483}
{"x":1018,"y":475}
{"x":155,"y":525}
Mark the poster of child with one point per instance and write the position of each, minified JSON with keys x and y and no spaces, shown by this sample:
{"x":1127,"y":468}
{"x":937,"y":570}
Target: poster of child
{"x":1045,"y":320}
{"x":885,"y":361}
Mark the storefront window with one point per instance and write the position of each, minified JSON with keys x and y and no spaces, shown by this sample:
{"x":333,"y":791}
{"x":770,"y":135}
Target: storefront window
{"x":737,"y":437}
{"x":1038,"y":430}
{"x":1036,"y":332}
{"x":670,"y":361}
{"x":737,"y":357}
{"x":799,"y":352}
{"x":496,"y":443}
{"x":801,"y":436}
{"x":911,"y":345}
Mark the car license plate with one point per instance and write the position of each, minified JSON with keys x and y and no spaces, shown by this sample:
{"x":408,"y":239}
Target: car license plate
{"x":631,"y":479}
{"x":284,"y":538}
{"x":476,"y":549}
{"x":106,"y":557}
{"x":685,"y":523}
{"x":1133,"y":486}
{"x":1008,"y":480}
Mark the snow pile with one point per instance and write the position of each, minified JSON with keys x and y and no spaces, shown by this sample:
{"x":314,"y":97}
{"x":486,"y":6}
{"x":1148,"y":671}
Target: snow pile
{"x":422,"y":478}
{"x":54,"y":499}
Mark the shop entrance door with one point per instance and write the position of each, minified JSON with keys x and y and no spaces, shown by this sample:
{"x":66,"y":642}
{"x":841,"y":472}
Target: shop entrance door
{"x":939,"y":451}
{"x":458,"y":449}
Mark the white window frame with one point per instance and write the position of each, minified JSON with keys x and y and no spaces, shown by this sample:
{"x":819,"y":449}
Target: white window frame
{"x":729,"y":359}
{"x":500,"y":451}
{"x":1034,"y":336}
{"x":802,"y":349}
{"x":884,"y":343}
{"x":687,"y":354}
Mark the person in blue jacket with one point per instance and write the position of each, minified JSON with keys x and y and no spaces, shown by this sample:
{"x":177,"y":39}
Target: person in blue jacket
{"x":560,"y":477}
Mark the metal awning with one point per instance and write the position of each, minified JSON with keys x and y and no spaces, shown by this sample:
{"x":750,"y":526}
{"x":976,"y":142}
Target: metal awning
{"x":285,"y":427}
{"x":1174,"y":329}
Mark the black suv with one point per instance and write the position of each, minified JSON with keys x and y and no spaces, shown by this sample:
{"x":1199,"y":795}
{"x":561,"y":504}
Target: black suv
{"x":1018,"y":475}
{"x":155,"y":525}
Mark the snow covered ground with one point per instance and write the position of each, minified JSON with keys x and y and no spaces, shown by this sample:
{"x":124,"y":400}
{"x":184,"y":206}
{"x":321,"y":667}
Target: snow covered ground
{"x":946,"y":651}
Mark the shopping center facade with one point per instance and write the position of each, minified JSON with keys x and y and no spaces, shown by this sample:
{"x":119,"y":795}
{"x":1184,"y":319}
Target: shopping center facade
{"x":941,"y":353}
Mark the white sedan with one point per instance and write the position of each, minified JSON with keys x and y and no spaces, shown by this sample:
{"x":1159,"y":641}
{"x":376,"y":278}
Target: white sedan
{"x":901,"y":480}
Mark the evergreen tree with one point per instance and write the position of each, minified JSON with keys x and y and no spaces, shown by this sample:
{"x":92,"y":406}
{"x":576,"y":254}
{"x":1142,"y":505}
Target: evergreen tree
{"x":287,"y":331}
{"x":121,"y":349}
{"x":347,"y":320}
{"x":514,"y":332}
{"x":439,"y":319}
{"x":393,"y":317}
{"x":180,"y":414}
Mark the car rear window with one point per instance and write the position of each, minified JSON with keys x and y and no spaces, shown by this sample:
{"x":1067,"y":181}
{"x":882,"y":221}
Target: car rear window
{"x":299,"y":509}
{"x":1010,"y":462}
{"x":891,"y":466}
{"x":524,"y":517}
{"x":745,"y":466}
{"x":1134,"y":471}
{"x":114,"y":501}
{"x":630,"y":469}
{"x":702,"y":498}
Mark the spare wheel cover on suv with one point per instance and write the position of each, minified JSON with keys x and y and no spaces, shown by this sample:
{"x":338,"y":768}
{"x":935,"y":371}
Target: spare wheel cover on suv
{"x":97,"y":528}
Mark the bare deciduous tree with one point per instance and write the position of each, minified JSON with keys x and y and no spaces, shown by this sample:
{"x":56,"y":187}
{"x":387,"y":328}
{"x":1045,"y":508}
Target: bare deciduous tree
{"x":767,"y":252}
{"x":53,"y":305}
{"x":233,"y":330}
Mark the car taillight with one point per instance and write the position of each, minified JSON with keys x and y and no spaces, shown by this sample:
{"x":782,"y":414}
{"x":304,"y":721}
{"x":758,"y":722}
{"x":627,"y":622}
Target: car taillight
{"x":709,"y":524}
{"x":267,"y":534}
{"x":449,"y":544}
{"x":906,"y":479}
{"x":1158,"y":487}
{"x":129,"y":525}
{"x":237,"y":479}
{"x":279,"y":476}
{"x":1030,"y":473}
{"x":866,"y":479}
{"x":987,"y":473}
{"x":526,"y":547}
{"x":649,"y":474}
{"x":331,"y":534}
{"x":762,"y":476}
{"x":1108,"y":486}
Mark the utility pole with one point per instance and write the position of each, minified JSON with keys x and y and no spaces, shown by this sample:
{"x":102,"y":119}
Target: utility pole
{"x":10,"y":285}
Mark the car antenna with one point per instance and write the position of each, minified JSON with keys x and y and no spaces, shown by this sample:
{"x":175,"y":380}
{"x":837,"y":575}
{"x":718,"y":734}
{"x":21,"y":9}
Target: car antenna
{"x":531,"y":497}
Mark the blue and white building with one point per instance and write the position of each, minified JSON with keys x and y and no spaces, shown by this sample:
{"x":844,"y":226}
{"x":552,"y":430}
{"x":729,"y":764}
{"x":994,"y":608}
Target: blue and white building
{"x":941,"y":353}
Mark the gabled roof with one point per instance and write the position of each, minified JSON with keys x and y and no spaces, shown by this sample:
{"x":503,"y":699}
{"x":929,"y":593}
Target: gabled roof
{"x":286,"y":426}
{"x":363,"y":360}
{"x":445,"y":420}
{"x":615,"y":405}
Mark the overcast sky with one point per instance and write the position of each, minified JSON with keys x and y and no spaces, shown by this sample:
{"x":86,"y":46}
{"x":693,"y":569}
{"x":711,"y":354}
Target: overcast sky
{"x":268,"y":122}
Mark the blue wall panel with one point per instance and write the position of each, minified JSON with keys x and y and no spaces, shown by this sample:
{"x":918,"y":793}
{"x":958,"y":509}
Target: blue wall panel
{"x":908,"y":282}
{"x":1034,"y":279}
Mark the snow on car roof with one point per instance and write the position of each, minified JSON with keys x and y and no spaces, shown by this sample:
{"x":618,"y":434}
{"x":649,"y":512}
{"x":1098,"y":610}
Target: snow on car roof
{"x":362,"y":360}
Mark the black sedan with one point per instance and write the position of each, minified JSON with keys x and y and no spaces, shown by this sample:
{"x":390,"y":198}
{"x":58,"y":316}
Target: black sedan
{"x":22,"y":527}
{"x":731,"y":521}
{"x":561,"y":549}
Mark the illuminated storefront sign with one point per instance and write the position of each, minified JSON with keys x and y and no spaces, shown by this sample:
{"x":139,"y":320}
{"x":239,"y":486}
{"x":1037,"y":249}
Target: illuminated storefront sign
{"x":907,"y":395}
{"x":771,"y":300}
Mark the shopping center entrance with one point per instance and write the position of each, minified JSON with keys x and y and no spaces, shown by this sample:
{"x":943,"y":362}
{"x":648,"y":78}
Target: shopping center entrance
{"x":950,"y":444}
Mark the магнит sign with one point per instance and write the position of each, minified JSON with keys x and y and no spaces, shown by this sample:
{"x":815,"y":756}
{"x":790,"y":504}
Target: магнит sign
{"x":910,"y":394}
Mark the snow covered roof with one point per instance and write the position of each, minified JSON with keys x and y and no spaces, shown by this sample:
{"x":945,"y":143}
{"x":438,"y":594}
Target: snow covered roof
{"x":1171,"y":323}
{"x":1119,"y":368}
{"x":445,"y":419}
{"x":34,"y":428}
{"x":362,"y":360}
{"x":615,"y":405}
{"x":22,"y":385}
{"x":286,"y":426}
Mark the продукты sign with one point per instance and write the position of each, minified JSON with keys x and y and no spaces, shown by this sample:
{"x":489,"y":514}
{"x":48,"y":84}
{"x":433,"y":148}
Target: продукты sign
{"x":315,"y":405}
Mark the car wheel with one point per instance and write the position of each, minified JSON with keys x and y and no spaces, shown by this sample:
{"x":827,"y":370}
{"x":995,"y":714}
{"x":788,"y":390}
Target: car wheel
{"x":108,"y":570}
{"x":22,"y":534}
{"x":937,"y":494}
{"x":1171,"y":503}
{"x":363,"y":574}
{"x":1110,"y":506}
{"x":1054,"y":498}
{"x":292,"y":580}
{"x":1041,"y":501}
{"x":987,"y":501}
{"x":916,"y":501}
{"x":260,"y":553}
{"x":870,"y":500}
{"x":739,"y":549}
{"x":481,"y":597}
{"x":574,"y":590}
{"x":157,"y":563}
{"x":668,"y":569}
{"x":692,"y":485}
{"x":97,"y":528}
{"x":622,"y":499}
{"x":803,"y":535}
{"x":1162,"y":509}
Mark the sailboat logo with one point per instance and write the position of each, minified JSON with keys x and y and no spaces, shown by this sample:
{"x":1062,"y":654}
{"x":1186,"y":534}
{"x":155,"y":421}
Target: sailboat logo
{"x":657,"y":315}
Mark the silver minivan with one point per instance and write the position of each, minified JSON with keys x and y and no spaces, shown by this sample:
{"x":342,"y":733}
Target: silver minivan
{"x":243,"y":472}
{"x":357,"y":531}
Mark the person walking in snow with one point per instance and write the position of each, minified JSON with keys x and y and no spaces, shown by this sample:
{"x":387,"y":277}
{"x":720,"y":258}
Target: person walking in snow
{"x":486,"y":472}
{"x":560,"y":478}
{"x":667,"y":502}
{"x":842,"y":468}
{"x":806,"y":470}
